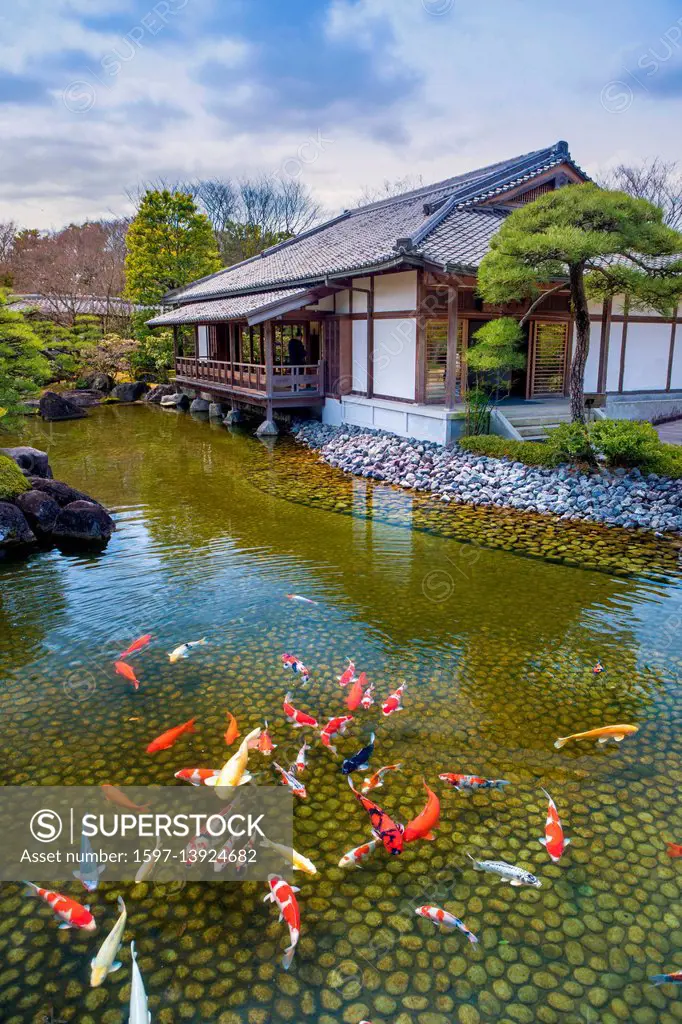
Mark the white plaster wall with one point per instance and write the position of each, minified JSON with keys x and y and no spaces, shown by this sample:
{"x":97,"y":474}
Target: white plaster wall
{"x":202,"y":334}
{"x":332,"y":412}
{"x":595,"y":308}
{"x":359,"y":368}
{"x":394,"y":357}
{"x":613,"y":362}
{"x":646,"y":357}
{"x":342,"y":302}
{"x":592,"y":365}
{"x":360,"y":298}
{"x":676,"y":376}
{"x":394,"y":292}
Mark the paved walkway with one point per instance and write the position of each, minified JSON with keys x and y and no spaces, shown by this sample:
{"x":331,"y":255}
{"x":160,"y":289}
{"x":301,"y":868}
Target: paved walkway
{"x":671,"y":432}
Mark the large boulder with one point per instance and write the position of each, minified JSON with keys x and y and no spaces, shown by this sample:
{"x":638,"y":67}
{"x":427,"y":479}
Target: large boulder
{"x":31,"y":461}
{"x":131,"y":392}
{"x":40,"y":510}
{"x":199,"y":405}
{"x":85,"y":397}
{"x":82,"y":524}
{"x":54,"y":407}
{"x":159,"y":392}
{"x":99,"y":382}
{"x":176,"y":401}
{"x":59,"y":492}
{"x":15,"y":533}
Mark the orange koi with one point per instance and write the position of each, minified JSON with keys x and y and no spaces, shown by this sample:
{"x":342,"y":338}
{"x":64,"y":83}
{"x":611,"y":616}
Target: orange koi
{"x":232,"y":730}
{"x":356,"y":691}
{"x":123,"y":669}
{"x":421,"y":826}
{"x":168,"y":738}
{"x":117,"y":796}
{"x":136,"y":646}
{"x":265,"y":744}
{"x":674,"y":850}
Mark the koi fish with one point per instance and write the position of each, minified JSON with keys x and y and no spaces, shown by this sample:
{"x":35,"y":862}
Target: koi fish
{"x":196,"y":776}
{"x":296,"y":717}
{"x":146,"y":868}
{"x":439,"y":916}
{"x":359,"y":762}
{"x":116,"y":796}
{"x":136,"y":646}
{"x":289,"y":779}
{"x":232,"y":731}
{"x":367,"y":698}
{"x":333,"y":726}
{"x":89,"y":870}
{"x":471,"y":783}
{"x":233,"y":772}
{"x":183,"y":650}
{"x":265,"y":744}
{"x":356,"y":691}
{"x":139,"y":1012}
{"x":168,"y":738}
{"x":393,"y":702}
{"x":105,"y":961}
{"x":72,"y":914}
{"x":291,"y":662}
{"x":303,"y":600}
{"x":598,"y":668}
{"x":301,"y":763}
{"x":377,"y":780}
{"x":297,"y":860}
{"x":123,"y":669}
{"x":673,"y":850}
{"x":422,"y":826}
{"x":383,"y":827}
{"x":348,"y":676}
{"x":354,"y":857}
{"x":509,"y":872}
{"x":282,"y":895}
{"x":601,"y":735}
{"x":667,"y":979}
{"x":553,"y":839}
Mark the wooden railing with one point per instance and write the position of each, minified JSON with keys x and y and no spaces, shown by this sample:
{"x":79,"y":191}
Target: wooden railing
{"x":286,"y":380}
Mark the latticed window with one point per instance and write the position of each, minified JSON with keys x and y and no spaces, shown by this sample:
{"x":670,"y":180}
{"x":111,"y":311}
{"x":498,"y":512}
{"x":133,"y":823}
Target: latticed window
{"x":437,"y":359}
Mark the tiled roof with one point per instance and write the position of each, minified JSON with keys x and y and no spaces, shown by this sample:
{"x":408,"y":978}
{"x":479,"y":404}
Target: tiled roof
{"x":234,"y":308}
{"x":439,"y":222}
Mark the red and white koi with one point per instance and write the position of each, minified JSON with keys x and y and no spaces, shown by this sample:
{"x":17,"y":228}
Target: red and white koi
{"x":289,"y":779}
{"x":301,"y":762}
{"x":299,"y":719}
{"x":355,"y":857}
{"x":439,"y":916}
{"x":282,"y":895}
{"x":471,"y":783}
{"x":377,"y":780}
{"x":367,"y":698}
{"x":334,"y":726}
{"x":291,"y":662}
{"x":197,"y":776}
{"x":553,"y":839}
{"x":72,"y":914}
{"x":348,"y":676}
{"x":393,"y":702}
{"x":303,"y":600}
{"x":265,"y":744}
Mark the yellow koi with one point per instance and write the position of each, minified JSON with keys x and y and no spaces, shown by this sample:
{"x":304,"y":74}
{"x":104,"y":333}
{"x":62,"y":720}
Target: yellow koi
{"x":602,"y":735}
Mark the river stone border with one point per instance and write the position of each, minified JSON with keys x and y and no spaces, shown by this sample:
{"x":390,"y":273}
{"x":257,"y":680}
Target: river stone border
{"x":625,"y":498}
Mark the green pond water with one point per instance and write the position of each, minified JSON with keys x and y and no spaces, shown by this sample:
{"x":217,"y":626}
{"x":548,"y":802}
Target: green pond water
{"x":494,"y":621}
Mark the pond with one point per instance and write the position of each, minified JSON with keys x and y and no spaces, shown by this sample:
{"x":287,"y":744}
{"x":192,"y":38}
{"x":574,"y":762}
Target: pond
{"x":496,"y":647}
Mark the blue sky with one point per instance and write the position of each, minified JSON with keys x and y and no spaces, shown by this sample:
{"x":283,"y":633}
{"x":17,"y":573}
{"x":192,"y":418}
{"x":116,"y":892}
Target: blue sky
{"x":98,"y":95}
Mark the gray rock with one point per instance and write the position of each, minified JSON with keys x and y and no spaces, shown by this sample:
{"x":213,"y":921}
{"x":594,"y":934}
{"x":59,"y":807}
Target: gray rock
{"x":31,"y":461}
{"x":54,"y":407}
{"x":268,"y":428}
{"x":82,"y":524}
{"x":160,"y":391}
{"x":100,"y":382}
{"x":176,"y":401}
{"x":199,"y":405}
{"x":216,"y":410}
{"x":59,"y":492}
{"x":85,"y":397}
{"x":15,"y":533}
{"x":131,"y":392}
{"x":40,"y":510}
{"x":233,"y":417}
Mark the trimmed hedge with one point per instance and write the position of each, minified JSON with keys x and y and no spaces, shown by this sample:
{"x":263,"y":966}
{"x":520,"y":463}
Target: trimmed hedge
{"x":529,"y":452}
{"x":12,"y":480}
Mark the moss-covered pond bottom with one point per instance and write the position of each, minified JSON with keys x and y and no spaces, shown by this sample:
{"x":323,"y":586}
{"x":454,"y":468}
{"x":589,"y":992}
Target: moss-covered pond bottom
{"x":497,"y":649}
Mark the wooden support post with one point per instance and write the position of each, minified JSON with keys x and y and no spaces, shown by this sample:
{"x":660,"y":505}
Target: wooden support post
{"x":420,"y":345}
{"x":604,"y":346}
{"x":269,"y":375}
{"x":175,"y":343}
{"x":671,"y":355}
{"x":623,"y":345}
{"x":370,"y":340}
{"x":451,"y":359}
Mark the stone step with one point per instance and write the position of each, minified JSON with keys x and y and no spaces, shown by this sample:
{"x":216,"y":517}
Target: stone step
{"x":537,"y":432}
{"x":541,"y":421}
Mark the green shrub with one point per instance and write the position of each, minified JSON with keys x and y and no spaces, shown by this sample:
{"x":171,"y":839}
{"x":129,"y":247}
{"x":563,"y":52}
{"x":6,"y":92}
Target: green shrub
{"x":531,"y":453}
{"x":571,"y":442}
{"x":12,"y":480}
{"x":668,"y":461}
{"x":625,"y":442}
{"x":483,"y":444}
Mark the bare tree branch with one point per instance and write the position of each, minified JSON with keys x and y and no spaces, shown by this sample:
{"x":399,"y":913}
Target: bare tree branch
{"x":656,"y":180}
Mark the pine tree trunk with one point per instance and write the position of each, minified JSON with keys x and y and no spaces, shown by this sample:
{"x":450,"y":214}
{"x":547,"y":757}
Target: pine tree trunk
{"x":581,"y":315}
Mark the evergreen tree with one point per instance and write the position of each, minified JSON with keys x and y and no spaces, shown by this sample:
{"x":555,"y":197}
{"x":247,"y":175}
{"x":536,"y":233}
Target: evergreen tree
{"x":23,"y":365}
